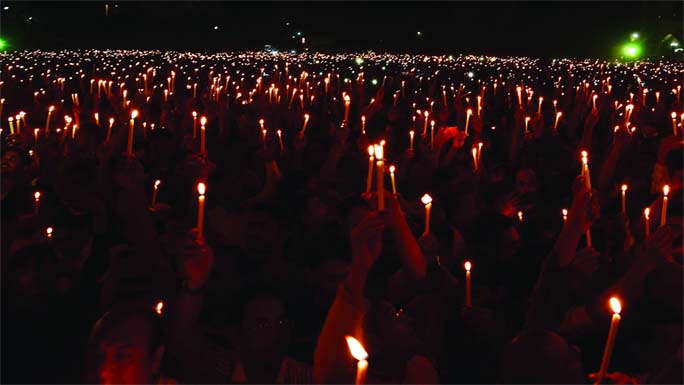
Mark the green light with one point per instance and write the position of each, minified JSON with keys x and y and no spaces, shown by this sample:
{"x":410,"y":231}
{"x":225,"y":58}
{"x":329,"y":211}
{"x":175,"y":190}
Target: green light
{"x":635,"y":35}
{"x":359,"y":61}
{"x":631,"y":50}
{"x":419,"y":33}
{"x":3,"y":44}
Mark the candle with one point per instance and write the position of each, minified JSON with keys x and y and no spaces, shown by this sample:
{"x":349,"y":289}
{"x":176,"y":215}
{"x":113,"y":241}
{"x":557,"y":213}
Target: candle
{"x":159,"y":307}
{"x":347,"y":102}
{"x":479,"y":104}
{"x":519,"y":90}
{"x":647,"y":218}
{"x":479,"y":150}
{"x":22,"y":116}
{"x":624,"y":192}
{"x":73,"y":131}
{"x":520,"y":216}
{"x":97,"y":118}
{"x":474,"y":152}
{"x":432,"y":134}
{"x":615,"y":321}
{"x":594,"y":100}
{"x":194,"y":124}
{"x":194,"y":91}
{"x":427,"y":201}
{"x":411,"y":134}
{"x":36,"y":198}
{"x":657,"y":96}
{"x":426,"y":114}
{"x":131,"y":126}
{"x":468,"y":113}
{"x":380,"y":164}
{"x":643,"y":98}
{"x":371,"y":160}
{"x":565,"y":215}
{"x":201,"y":189}
{"x":585,"y":166}
{"x":11,"y":124}
{"x":48,"y":232}
{"x":359,"y":353}
{"x":527,"y":121}
{"x":363,"y":124}
{"x":663,"y":212}
{"x":306,"y":120}
{"x":203,"y":148}
{"x":109,"y":130}
{"x":394,"y":187}
{"x":154,"y":192}
{"x":541,"y":99}
{"x":674,"y":123}
{"x":558,"y":116}
{"x":628,"y":111}
{"x":280,"y":139}
{"x":555,"y":104}
{"x":467,"y":265}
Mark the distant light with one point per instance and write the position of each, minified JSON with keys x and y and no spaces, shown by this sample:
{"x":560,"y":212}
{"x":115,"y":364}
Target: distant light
{"x":674,"y":44}
{"x":374,"y":82}
{"x":215,"y":27}
{"x":30,"y":18}
{"x":419,"y":33}
{"x":635,"y":35}
{"x":3,"y":44}
{"x":451,"y":57}
{"x":299,"y":34}
{"x":6,"y":8}
{"x":359,"y":61}
{"x":470,"y":75}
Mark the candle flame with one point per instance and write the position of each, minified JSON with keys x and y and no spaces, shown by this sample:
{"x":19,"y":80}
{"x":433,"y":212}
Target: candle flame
{"x":615,"y":305}
{"x":666,"y":190}
{"x":363,"y":118}
{"x":203,"y":120}
{"x":36,"y":195}
{"x":261,"y":122}
{"x":194,"y":114}
{"x":673,"y":115}
{"x":48,"y":231}
{"x":426,"y":199}
{"x":159,"y":307}
{"x":379,"y":152}
{"x":624,"y":187}
{"x":356,"y":349}
{"x":306,"y":116}
{"x":470,"y":111}
{"x":565,"y":212}
{"x":392,"y":168}
{"x":134,"y":114}
{"x":52,"y":108}
{"x":647,"y":212}
{"x":157,"y":183}
{"x":111,"y":121}
{"x":467,"y":265}
{"x":201,"y":188}
{"x":371,"y":150}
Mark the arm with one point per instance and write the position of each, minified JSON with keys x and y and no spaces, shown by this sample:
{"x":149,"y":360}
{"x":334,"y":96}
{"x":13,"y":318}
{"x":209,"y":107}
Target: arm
{"x":407,"y":246}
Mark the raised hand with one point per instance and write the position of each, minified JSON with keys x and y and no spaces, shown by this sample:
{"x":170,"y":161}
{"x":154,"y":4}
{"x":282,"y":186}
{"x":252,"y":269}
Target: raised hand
{"x":366,"y":239}
{"x":196,"y":262}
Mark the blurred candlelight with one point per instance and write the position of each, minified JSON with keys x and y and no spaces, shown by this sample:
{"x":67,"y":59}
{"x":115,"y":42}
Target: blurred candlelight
{"x":624,"y":193}
{"x":663,"y":212}
{"x":467,"y":265}
{"x":647,"y":218}
{"x":394,"y":187}
{"x":427,"y":201}
{"x":610,"y":342}
{"x":380,"y":172}
{"x":359,"y":353}
{"x":201,"y":189}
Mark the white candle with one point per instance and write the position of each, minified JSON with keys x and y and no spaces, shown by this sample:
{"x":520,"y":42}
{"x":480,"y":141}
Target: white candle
{"x":11,"y":124}
{"x":558,"y":116}
{"x":663,"y":212}
{"x":432,"y":134}
{"x":674,"y":123}
{"x":426,"y":114}
{"x":131,"y":127}
{"x":541,"y":99}
{"x":467,"y":265}
{"x":468,"y":113}
{"x":280,"y":139}
{"x":154,"y":192}
{"x":394,"y":187}
{"x":610,"y":342}
{"x":203,"y":148}
{"x":585,"y":165}
{"x":527,"y":121}
{"x":474,"y":152}
{"x":519,"y":90}
{"x":647,"y":218}
{"x":371,"y":160}
{"x":427,"y":201}
{"x":194,"y":124}
{"x":411,"y":134}
{"x":109,"y":130}
{"x":363,"y":125}
{"x":306,"y":120}
{"x":201,"y":189}
{"x":565,"y":215}
{"x":347,"y":103}
{"x":380,"y":164}
{"x":359,"y":353}
{"x":624,"y":193}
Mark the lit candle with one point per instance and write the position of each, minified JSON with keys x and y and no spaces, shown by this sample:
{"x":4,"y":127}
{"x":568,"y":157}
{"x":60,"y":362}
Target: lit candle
{"x":131,"y":126}
{"x":394,"y":187}
{"x":565,"y":215}
{"x":520,"y":216}
{"x":474,"y":152}
{"x":380,"y":164}
{"x":427,"y":201}
{"x":467,"y":265}
{"x":194,"y":91}
{"x":159,"y":307}
{"x":615,"y":321}
{"x":363,"y":124}
{"x":558,"y":116}
{"x":519,"y":90}
{"x":194,"y":124}
{"x":628,"y":112}
{"x":36,"y":199}
{"x":47,"y":121}
{"x":594,"y":100}
{"x":347,"y":103}
{"x":97,"y":118}
{"x":555,"y":105}
{"x":432,"y":134}
{"x":280,"y":139}
{"x":359,"y":353}
{"x":411,"y":135}
{"x":306,"y":120}
{"x":674,"y":123}
{"x":109,"y":130}
{"x":371,"y":160}
{"x":663,"y":212}
{"x":201,"y":189}
{"x":203,"y":148}
{"x":541,"y":99}
{"x":527,"y":122}
{"x":22,"y":115}
{"x":647,"y":219}
{"x":657,"y":96}
{"x":468,"y":113}
{"x":48,"y":232}
{"x":643,"y":98}
{"x":11,"y":124}
{"x":479,"y":104}
{"x":154,"y":192}
{"x":585,"y":166}
{"x":426,"y":114}
{"x":479,"y":150}
{"x":624,"y":194}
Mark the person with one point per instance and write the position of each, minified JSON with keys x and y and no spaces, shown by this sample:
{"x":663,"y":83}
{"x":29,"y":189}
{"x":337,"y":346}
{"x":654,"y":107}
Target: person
{"x":126,"y":346}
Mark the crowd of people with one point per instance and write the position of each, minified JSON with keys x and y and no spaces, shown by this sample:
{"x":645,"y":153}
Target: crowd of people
{"x":110,"y":277}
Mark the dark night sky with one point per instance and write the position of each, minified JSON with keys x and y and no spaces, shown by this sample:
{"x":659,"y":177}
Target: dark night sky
{"x":539,"y":29}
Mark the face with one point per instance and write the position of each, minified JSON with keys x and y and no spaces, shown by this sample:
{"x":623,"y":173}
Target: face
{"x":10,"y":162}
{"x":265,"y":329}
{"x":526,"y":182}
{"x":125,"y":357}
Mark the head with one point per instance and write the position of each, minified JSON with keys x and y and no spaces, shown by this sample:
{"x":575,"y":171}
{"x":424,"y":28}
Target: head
{"x":265,"y":328}
{"x":540,"y":357}
{"x":526,"y":184}
{"x":126,"y":347}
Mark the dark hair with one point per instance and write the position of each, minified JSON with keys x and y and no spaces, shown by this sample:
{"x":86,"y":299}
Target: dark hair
{"x":123,"y":313}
